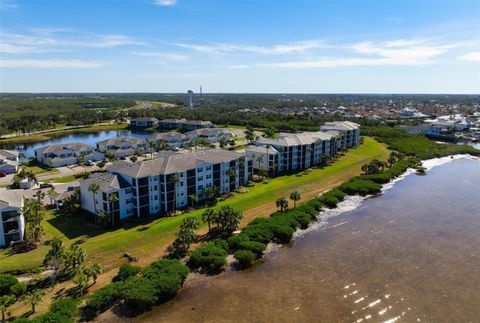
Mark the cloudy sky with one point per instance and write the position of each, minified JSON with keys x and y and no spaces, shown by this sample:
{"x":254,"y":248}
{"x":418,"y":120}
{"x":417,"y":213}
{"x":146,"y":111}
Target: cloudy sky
{"x":323,"y":46}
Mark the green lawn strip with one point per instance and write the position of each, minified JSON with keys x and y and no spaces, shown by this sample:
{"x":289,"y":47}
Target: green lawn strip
{"x":38,"y":170}
{"x":63,"y":179}
{"x":138,"y":239}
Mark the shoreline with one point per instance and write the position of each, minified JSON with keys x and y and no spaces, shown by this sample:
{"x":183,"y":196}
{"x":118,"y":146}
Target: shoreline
{"x":349,"y":204}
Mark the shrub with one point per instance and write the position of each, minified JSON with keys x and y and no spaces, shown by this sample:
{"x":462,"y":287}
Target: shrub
{"x":166,"y":286}
{"x":7,"y":281}
{"x":18,"y":289}
{"x":210,"y":258}
{"x":260,"y":232}
{"x":171,"y":267}
{"x":103,"y":299}
{"x":332,"y":198}
{"x":221,"y":243}
{"x":138,"y":295}
{"x":126,"y":271}
{"x":66,"y":307}
{"x":234,"y":241}
{"x":244,"y":258}
{"x":256,"y":247}
{"x":360,"y":187}
{"x":282,"y":233}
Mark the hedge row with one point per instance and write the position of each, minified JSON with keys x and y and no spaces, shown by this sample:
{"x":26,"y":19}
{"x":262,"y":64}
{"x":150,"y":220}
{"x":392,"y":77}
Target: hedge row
{"x":138,"y":290}
{"x":63,"y":310}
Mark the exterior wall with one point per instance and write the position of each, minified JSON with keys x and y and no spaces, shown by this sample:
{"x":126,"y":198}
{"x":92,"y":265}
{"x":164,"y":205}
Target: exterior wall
{"x":11,"y":228}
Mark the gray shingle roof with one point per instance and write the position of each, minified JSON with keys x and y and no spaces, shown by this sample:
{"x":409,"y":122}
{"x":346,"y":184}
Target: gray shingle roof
{"x":75,"y":146}
{"x":121,"y":140}
{"x":107,"y":182}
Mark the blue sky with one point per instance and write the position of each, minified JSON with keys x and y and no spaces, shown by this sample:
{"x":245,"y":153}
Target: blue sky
{"x":336,"y":46}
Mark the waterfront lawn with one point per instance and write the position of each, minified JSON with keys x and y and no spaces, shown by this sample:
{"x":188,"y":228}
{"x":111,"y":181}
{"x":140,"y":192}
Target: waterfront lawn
{"x":148,"y":238}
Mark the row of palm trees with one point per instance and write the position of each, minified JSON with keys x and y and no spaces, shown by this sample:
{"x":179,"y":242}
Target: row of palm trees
{"x":282,"y":202}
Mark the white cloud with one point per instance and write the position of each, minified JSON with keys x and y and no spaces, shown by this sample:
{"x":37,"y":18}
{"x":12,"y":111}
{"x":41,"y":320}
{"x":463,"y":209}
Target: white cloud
{"x":470,"y":57}
{"x":56,"y":63}
{"x":15,"y":49}
{"x":280,"y":49}
{"x":238,"y":66}
{"x":164,"y":56}
{"x":165,"y":3}
{"x":7,"y":5}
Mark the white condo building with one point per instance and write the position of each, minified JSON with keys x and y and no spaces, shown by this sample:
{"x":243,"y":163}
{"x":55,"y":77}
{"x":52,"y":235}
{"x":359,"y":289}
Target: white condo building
{"x":350,"y":132}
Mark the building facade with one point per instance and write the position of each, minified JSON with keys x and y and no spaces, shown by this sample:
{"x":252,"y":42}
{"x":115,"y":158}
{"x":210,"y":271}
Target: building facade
{"x":122,"y":147}
{"x":8,"y":161}
{"x":165,"y":184}
{"x":66,"y":154}
{"x":184,"y":124}
{"x":292,"y":151}
{"x":143,"y":122}
{"x":350,"y":132}
{"x":12,"y":223}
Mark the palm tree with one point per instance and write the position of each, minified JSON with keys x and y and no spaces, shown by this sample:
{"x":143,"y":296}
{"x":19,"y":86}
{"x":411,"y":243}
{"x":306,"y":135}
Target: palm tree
{"x":209,"y":216}
{"x":81,"y":280}
{"x":295,"y":196}
{"x":93,"y":270}
{"x":52,"y":194}
{"x":33,"y":297}
{"x":282,"y":203}
{"x":175,"y":180}
{"x":103,"y":218}
{"x":267,"y":147}
{"x":5,"y":302}
{"x":152,"y":145}
{"x":94,"y":188}
{"x":112,"y":198}
{"x":259,"y":160}
{"x":77,"y":256}
{"x":193,"y":199}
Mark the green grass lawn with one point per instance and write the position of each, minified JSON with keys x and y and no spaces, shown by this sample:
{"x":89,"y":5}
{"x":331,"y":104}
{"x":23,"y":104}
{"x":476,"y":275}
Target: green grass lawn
{"x":153,"y":234}
{"x":63,"y":179}
{"x":39,"y":170}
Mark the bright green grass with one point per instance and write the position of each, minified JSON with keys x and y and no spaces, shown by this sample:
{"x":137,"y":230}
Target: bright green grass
{"x":63,"y":179}
{"x":142,"y":238}
{"x":38,"y":170}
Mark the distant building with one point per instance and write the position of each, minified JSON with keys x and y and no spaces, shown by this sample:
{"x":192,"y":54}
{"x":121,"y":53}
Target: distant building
{"x":143,"y":122}
{"x":172,"y":139}
{"x":210,"y":135}
{"x":8,"y":161}
{"x":147,"y":187}
{"x":411,"y":113}
{"x":122,"y":147}
{"x":66,"y":154}
{"x":183,"y":124}
{"x":350,"y":132}
{"x":12,"y":223}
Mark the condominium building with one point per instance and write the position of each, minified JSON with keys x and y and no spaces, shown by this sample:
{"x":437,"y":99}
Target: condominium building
{"x":350,"y":132}
{"x":210,"y":135}
{"x":172,"y":139}
{"x":66,"y":154}
{"x":8,"y":161}
{"x":143,"y":122}
{"x":164,"y":184}
{"x":292,"y":151}
{"x":12,"y":223}
{"x":122,"y":146}
{"x":184,"y":124}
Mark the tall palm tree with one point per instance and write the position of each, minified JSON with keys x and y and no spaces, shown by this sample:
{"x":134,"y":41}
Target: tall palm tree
{"x":175,"y":180}
{"x":282,"y":203}
{"x":33,"y":298}
{"x":209,"y":216}
{"x":193,"y":199}
{"x":112,"y":198}
{"x":94,"y":188}
{"x":259,"y":160}
{"x":295,"y":196}
{"x":52,"y":194}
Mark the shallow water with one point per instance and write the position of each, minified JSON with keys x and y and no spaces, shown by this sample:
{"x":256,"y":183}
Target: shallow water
{"x":411,"y":254}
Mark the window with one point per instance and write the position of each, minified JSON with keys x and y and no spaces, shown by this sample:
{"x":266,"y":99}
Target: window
{"x":156,"y":197}
{"x":199,"y":169}
{"x":199,"y":178}
{"x":209,"y":167}
{"x":155,"y":188}
{"x":208,"y":176}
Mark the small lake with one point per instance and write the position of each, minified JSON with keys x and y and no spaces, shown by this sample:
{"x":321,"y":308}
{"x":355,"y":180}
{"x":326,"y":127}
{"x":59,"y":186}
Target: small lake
{"x":411,"y":254}
{"x":90,"y":138}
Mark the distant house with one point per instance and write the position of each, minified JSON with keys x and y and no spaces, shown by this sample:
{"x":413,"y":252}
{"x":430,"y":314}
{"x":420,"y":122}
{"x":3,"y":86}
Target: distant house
{"x":66,"y":154}
{"x":121,"y":147}
{"x":8,"y":161}
{"x":350,"y":132}
{"x":12,"y":223}
{"x":173,"y":139}
{"x":144,"y":122}
{"x":183,"y":124}
{"x":210,"y":135}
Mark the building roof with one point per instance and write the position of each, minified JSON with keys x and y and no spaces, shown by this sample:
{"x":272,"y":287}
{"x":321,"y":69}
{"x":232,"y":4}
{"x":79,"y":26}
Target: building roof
{"x":68,"y":147}
{"x":121,"y":140}
{"x":296,"y":139}
{"x":8,"y":153}
{"x":167,"y":136}
{"x":145,"y":119}
{"x":340,"y":125}
{"x":262,"y":150}
{"x":174,"y":163}
{"x":209,"y":132}
{"x":185,"y":121}
{"x":12,"y":198}
{"x":107,"y":182}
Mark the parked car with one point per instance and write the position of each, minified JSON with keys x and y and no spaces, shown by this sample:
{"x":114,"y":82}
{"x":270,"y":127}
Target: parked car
{"x":46,"y":185}
{"x":89,"y":163}
{"x":3,"y":174}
